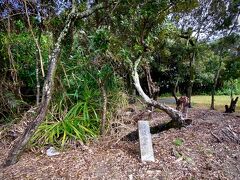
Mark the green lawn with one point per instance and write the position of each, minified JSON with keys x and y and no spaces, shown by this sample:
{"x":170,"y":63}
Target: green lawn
{"x":204,"y":101}
{"x":220,"y":101}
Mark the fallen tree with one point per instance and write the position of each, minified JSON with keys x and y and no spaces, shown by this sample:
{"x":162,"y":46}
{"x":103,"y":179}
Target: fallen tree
{"x":20,"y":144}
{"x":176,"y":116}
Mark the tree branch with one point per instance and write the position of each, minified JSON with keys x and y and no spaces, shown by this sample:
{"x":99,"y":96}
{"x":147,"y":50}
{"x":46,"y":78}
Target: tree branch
{"x":176,"y":116}
{"x":35,"y":39}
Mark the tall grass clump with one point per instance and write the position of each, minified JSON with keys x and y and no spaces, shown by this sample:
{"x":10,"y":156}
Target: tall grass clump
{"x":80,"y":122}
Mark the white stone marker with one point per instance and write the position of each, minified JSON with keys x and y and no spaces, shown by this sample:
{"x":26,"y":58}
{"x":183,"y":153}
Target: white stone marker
{"x":145,"y":140}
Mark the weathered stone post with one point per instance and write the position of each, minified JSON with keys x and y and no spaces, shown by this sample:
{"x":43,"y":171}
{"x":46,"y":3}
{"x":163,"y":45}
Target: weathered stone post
{"x":145,"y":141}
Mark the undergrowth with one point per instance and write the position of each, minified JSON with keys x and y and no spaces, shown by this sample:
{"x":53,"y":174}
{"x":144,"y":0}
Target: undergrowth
{"x":80,"y":123}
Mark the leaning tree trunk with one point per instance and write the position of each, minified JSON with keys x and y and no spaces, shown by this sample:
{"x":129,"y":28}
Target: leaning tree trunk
{"x":175,"y":115}
{"x":22,"y":141}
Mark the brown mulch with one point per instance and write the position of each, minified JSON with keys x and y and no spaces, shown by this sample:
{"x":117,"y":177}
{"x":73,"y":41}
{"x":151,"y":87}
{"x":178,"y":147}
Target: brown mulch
{"x":201,"y":155}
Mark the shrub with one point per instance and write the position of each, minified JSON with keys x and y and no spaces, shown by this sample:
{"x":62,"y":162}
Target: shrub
{"x":80,"y":123}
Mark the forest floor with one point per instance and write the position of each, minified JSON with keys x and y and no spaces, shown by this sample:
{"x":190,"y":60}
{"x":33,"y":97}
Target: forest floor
{"x":203,"y":150}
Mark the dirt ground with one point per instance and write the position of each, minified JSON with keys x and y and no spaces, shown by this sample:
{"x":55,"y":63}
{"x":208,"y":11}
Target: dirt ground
{"x":203,"y":150}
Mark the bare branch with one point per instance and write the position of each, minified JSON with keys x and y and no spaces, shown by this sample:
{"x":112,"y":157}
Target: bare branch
{"x":35,"y":39}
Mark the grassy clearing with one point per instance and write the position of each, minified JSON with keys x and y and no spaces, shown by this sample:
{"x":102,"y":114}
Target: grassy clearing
{"x":220,"y":101}
{"x":204,"y":101}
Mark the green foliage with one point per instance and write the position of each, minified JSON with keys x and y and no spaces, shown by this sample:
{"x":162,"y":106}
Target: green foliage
{"x":178,"y":142}
{"x":10,"y":105}
{"x":99,"y":40}
{"x":24,"y":54}
{"x":82,"y":120}
{"x":19,"y":25}
{"x":232,"y":69}
{"x":79,"y":123}
{"x":18,"y":80}
{"x":230,"y":87}
{"x":184,"y":6}
{"x":80,"y":90}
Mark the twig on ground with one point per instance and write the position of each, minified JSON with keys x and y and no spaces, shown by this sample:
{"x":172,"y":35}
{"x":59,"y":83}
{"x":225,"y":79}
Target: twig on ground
{"x":218,"y":139}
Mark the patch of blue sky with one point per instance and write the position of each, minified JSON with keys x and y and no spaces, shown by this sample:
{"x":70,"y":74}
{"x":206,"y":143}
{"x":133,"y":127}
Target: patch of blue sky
{"x":61,"y":6}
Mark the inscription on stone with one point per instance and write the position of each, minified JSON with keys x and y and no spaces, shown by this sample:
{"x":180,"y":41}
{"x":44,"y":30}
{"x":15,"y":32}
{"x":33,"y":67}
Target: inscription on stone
{"x":145,"y":141}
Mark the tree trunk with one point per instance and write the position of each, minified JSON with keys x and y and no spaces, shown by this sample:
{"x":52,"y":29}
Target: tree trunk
{"x":22,"y":141}
{"x":191,"y":78}
{"x":175,"y":115}
{"x":212,"y":99}
{"x":215,"y":83}
{"x":37,"y":73}
{"x":174,"y":91}
{"x":232,"y":106}
{"x":104,"y":110}
{"x":152,"y":86}
{"x":231,"y":93}
{"x":131,"y":89}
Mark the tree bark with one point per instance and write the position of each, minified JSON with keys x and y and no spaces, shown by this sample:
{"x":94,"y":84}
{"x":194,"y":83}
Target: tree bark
{"x":212,"y":107}
{"x":104,"y":111}
{"x":231,"y":93}
{"x":174,"y":91}
{"x":152,"y":86}
{"x":191,"y":78}
{"x":175,"y":115}
{"x":22,"y":141}
{"x":232,"y":106}
{"x":37,"y":73}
